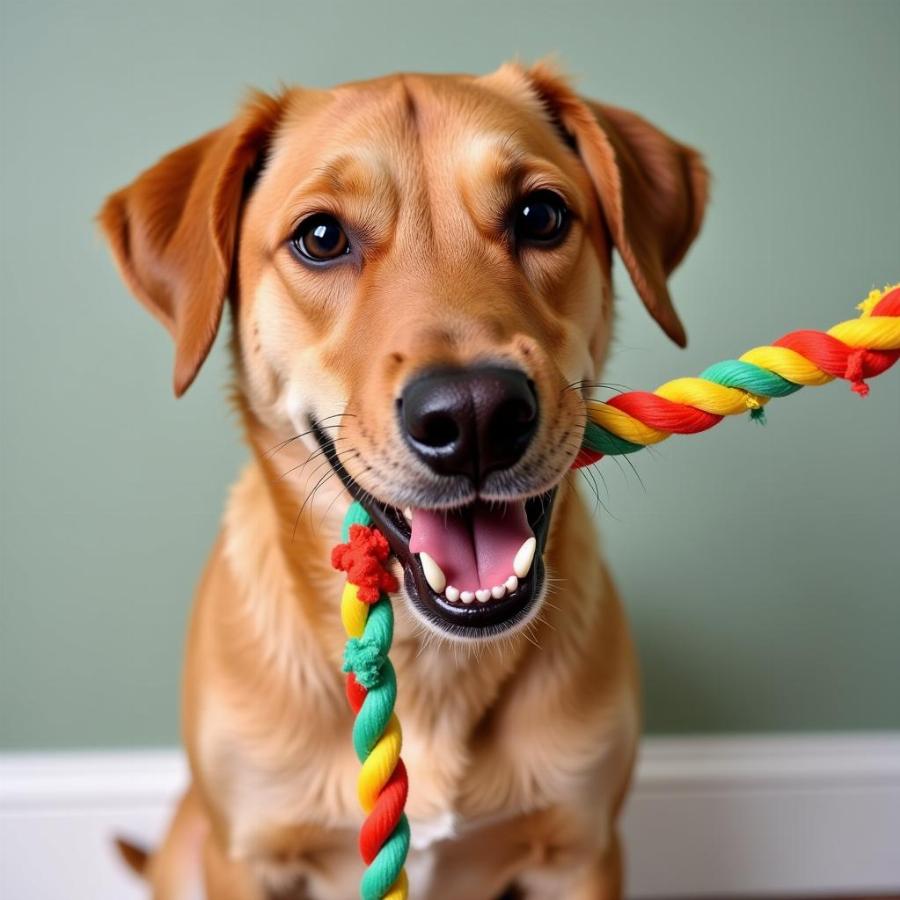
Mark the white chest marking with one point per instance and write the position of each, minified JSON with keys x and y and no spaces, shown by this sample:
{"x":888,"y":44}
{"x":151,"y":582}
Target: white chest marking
{"x":426,"y":832}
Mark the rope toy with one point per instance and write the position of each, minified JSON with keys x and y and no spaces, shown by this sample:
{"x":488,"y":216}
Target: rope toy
{"x":854,"y":350}
{"x":371,"y":688}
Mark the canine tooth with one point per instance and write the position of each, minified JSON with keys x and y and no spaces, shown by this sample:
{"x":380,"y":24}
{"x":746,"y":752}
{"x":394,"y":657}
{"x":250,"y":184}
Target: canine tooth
{"x":407,"y":514}
{"x":511,"y":583}
{"x":498,"y":591}
{"x":434,"y":575}
{"x":452,"y":594}
{"x":524,"y":558}
{"x":483,"y":595}
{"x":467,"y":596}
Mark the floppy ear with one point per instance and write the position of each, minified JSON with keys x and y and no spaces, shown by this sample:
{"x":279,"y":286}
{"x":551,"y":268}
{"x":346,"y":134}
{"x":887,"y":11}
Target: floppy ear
{"x":652,"y":189}
{"x":173,"y":230}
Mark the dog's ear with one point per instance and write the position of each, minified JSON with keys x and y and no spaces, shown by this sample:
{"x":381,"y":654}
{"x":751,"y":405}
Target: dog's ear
{"x":652,"y":189}
{"x":173,"y":230}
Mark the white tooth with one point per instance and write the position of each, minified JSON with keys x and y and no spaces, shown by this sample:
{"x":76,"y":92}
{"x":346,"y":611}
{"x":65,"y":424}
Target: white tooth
{"x":408,"y":514}
{"x":524,"y":558}
{"x":498,"y":591}
{"x":483,"y":595}
{"x":467,"y":596}
{"x":511,"y":583}
{"x":434,"y":575}
{"x":452,"y":594}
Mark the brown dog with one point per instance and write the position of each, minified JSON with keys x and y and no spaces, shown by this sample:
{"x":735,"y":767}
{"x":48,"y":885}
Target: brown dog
{"x":418,"y":269}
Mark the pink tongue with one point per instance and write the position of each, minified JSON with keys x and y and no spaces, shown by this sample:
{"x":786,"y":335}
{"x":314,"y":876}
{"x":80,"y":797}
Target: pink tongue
{"x":474,"y":546}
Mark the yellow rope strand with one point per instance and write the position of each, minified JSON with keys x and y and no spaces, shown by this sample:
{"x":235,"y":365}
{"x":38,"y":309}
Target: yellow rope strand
{"x":869,"y":332}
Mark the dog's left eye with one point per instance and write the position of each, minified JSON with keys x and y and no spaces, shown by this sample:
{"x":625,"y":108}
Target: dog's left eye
{"x":320,"y":238}
{"x":541,"y":218}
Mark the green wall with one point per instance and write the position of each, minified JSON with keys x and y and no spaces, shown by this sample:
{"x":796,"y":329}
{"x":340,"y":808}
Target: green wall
{"x":760,"y":566}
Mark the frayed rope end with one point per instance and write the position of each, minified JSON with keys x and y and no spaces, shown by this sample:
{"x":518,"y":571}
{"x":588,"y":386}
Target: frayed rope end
{"x":365,"y":659}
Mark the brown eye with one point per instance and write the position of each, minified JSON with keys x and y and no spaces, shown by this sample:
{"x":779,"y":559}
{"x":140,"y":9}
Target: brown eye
{"x":541,"y":218}
{"x":320,"y":238}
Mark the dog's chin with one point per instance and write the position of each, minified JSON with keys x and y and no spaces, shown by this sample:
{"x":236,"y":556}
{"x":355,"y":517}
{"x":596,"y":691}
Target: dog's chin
{"x":465,"y":611}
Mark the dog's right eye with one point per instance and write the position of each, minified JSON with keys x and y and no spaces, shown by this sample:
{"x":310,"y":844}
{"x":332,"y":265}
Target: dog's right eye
{"x":541,"y":218}
{"x":320,"y":238}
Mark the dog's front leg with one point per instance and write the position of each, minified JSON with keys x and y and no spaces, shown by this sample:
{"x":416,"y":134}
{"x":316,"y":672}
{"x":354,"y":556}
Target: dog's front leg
{"x":600,"y":878}
{"x":227,"y":879}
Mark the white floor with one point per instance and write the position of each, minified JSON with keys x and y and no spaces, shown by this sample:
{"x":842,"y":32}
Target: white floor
{"x":708,"y":817}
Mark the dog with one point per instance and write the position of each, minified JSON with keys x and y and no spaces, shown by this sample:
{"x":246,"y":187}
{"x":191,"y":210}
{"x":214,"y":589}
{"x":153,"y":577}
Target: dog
{"x":418,"y":269}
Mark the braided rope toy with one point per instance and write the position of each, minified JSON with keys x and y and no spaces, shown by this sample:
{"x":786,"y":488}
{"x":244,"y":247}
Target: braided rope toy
{"x":372,"y":691}
{"x":853,"y":350}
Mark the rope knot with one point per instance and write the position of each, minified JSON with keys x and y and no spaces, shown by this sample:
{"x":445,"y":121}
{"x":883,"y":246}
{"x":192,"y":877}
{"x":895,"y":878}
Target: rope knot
{"x":364,"y":657}
{"x":363,"y":558}
{"x":855,"y":372}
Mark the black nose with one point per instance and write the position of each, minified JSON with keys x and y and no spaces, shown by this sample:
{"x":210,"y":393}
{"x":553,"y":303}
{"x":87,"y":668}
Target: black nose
{"x":469,"y":421}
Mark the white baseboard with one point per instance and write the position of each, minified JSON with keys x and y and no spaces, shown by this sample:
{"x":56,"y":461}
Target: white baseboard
{"x":758,"y":816}
{"x":708,"y":816}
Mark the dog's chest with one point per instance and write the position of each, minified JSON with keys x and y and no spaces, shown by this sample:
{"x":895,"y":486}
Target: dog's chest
{"x":469,"y":800}
{"x":427,"y":834}
{"x":436,"y":841}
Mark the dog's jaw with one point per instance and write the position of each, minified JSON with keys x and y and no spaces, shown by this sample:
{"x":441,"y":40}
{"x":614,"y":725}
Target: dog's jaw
{"x":458,"y":619}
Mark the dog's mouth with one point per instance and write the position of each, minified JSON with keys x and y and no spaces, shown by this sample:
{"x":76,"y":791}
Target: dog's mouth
{"x":473,"y":571}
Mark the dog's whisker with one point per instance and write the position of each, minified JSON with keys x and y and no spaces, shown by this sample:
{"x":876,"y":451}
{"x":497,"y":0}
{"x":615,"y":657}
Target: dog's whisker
{"x":636,"y":473}
{"x":592,"y":488}
{"x":318,"y":455}
{"x":590,"y":480}
{"x":296,"y":437}
{"x":314,"y":454}
{"x":329,"y":474}
{"x":327,"y":512}
{"x":586,"y":385}
{"x":528,"y":634}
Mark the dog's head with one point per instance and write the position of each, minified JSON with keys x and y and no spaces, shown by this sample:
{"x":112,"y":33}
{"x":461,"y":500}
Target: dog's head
{"x":419,"y":268}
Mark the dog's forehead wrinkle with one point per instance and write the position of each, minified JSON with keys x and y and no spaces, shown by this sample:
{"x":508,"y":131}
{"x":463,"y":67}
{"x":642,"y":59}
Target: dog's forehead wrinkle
{"x":450,"y":133}
{"x":380,"y":122}
{"x":419,"y":207}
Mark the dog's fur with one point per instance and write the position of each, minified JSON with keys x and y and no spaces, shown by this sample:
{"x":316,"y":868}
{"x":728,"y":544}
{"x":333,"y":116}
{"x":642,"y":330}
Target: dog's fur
{"x":520,"y":748}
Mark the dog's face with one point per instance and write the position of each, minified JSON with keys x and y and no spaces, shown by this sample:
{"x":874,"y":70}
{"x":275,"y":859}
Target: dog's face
{"x":420,"y":274}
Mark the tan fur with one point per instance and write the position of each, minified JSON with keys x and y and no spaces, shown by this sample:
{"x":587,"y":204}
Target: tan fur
{"x":519,"y":749}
